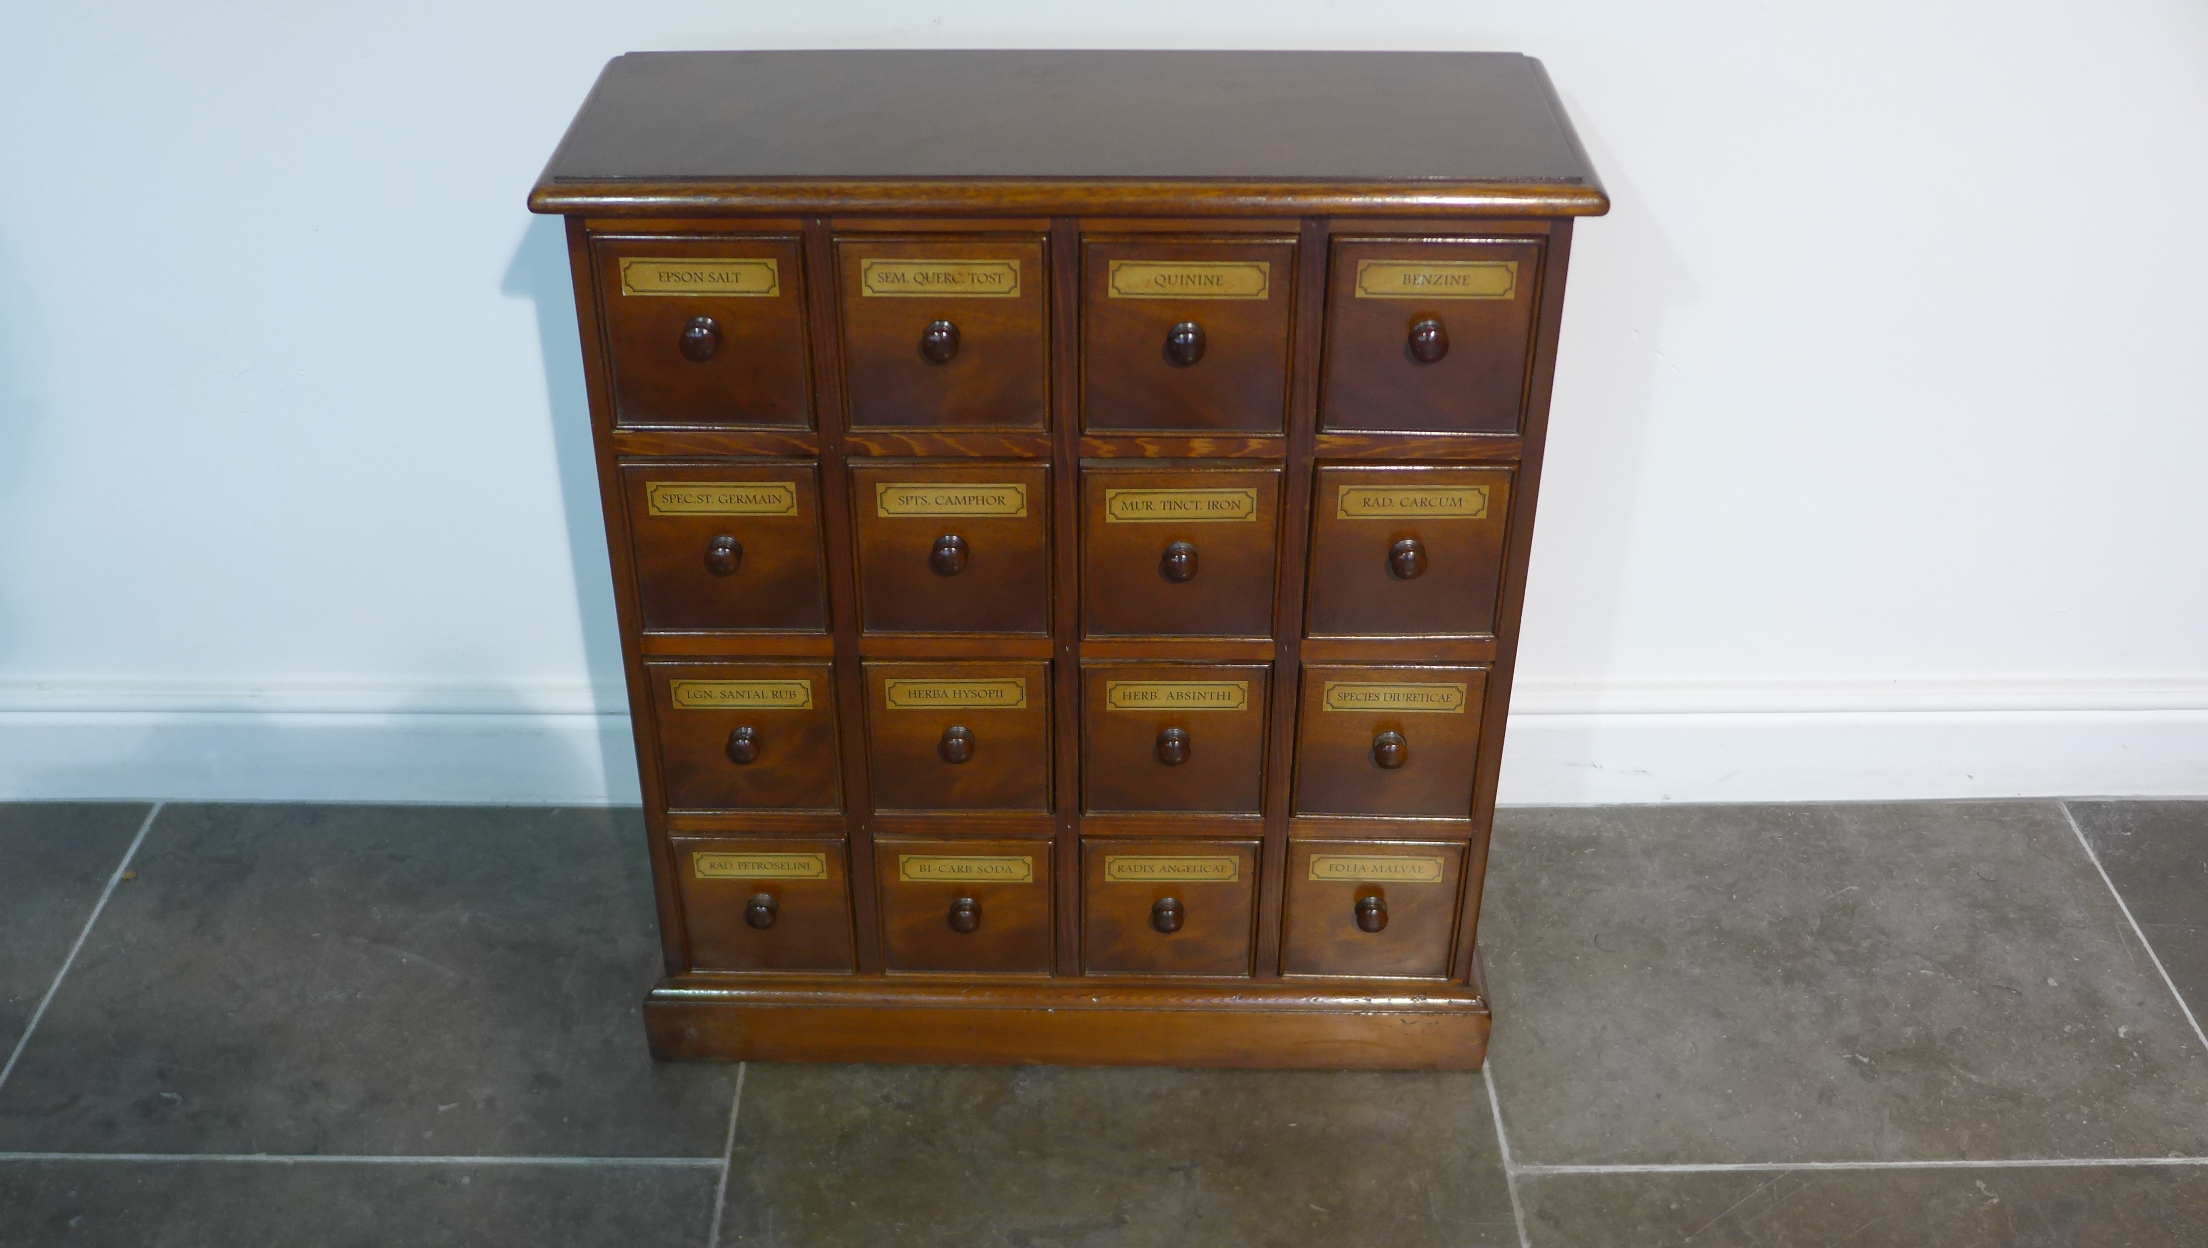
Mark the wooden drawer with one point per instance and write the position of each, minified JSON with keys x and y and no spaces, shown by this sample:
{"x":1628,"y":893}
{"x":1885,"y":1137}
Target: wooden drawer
{"x":1388,"y":740}
{"x":1167,"y":907}
{"x":726,"y":546}
{"x":1173,"y":737}
{"x":945,"y":333}
{"x":1407,"y":552}
{"x":1367,"y":908}
{"x":953,"y":548}
{"x":747,"y":736}
{"x":959,"y":736}
{"x":780,"y":905}
{"x":1186,"y":336}
{"x":1431,"y":336}
{"x":705,"y":331}
{"x":1186,"y":553}
{"x":968,"y":905}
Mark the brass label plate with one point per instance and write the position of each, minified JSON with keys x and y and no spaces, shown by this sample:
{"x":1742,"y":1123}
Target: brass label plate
{"x":1393,"y":502}
{"x":1392,"y":868}
{"x":1189,"y":279}
{"x":1008,"y":694}
{"x":1147,"y":869}
{"x":743,"y":695}
{"x":954,"y":279}
{"x":966,"y":868}
{"x":1437,"y":279}
{"x":1177,"y":695}
{"x":1423,"y":698}
{"x":719,"y":279}
{"x":721,"y":498}
{"x":949,"y":498}
{"x":1184,"y":506}
{"x":727,"y":866}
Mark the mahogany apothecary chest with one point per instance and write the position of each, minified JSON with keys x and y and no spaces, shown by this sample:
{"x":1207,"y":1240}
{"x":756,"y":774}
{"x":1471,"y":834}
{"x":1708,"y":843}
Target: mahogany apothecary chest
{"x":1069,"y":514}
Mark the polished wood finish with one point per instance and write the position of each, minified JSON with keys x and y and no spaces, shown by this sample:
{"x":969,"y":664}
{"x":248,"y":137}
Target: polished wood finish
{"x":1156,"y":746}
{"x":1194,"y":363}
{"x":1180,"y":553}
{"x":1134,"y":923}
{"x":937,"y":870}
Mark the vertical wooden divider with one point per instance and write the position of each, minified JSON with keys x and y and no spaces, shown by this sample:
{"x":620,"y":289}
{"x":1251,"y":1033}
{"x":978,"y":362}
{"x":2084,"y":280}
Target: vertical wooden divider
{"x":823,"y":288}
{"x":1526,"y":488}
{"x":1295,"y":540}
{"x":1064,"y":259}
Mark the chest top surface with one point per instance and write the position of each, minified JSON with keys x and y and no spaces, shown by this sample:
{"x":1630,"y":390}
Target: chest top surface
{"x":1413,"y":121}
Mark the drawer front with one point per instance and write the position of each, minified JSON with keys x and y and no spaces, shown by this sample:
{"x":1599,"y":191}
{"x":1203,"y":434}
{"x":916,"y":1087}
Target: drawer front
{"x":959,"y":736}
{"x":733,"y":546}
{"x":1366,"y":908}
{"x":1173,"y":737}
{"x":946,"y":549}
{"x":764,"y":905}
{"x":706,"y":331}
{"x":1388,"y":740}
{"x":1179,"y":554}
{"x":1428,"y":337}
{"x":1186,"y":336}
{"x":944,"y":333}
{"x":971,"y":905}
{"x":747,"y":736}
{"x":1407,"y":552}
{"x":1167,"y":907}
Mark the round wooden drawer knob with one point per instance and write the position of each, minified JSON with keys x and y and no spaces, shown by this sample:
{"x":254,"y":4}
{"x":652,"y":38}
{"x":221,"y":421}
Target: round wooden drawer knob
{"x":957,"y":744}
{"x":948,"y":556}
{"x":965,"y":915}
{"x":1184,"y":344}
{"x":1390,"y":750}
{"x":1429,"y":341}
{"x":700,"y":339}
{"x":743,"y":746}
{"x":1407,"y":559}
{"x":1372,"y":913}
{"x":723,"y":555}
{"x":1173,"y":746}
{"x":759,"y":912}
{"x":939,"y":342}
{"x":1167,"y":914}
{"x":1178,"y":564}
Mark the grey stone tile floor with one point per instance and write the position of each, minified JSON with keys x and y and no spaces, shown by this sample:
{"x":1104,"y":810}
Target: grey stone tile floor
{"x":1967,"y":1023}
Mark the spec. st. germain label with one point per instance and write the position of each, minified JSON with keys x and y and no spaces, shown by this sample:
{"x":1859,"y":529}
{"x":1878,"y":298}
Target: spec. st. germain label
{"x":1162,"y":506}
{"x":1388,"y":868}
{"x":716,"y":278}
{"x":949,"y":498}
{"x":1144,"y":869}
{"x":1437,"y":279}
{"x":1009,"y":694}
{"x":957,"y":279}
{"x":1177,"y":695}
{"x":965,"y":869}
{"x":1393,"y":502}
{"x":743,"y":695}
{"x":1189,"y":279}
{"x":731,"y":866}
{"x":721,"y":498}
{"x":1424,"y":698}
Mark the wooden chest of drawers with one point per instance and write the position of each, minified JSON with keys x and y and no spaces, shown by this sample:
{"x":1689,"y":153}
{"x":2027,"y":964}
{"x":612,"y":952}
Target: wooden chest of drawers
{"x":1069,"y":514}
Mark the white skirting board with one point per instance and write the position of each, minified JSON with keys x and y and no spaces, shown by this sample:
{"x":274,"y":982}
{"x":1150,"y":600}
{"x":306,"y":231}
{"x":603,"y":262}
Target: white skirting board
{"x":581,"y":758}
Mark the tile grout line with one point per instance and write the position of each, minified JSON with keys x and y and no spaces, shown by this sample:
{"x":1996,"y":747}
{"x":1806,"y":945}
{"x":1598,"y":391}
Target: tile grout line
{"x":2136,"y":930}
{"x":1502,"y":1144}
{"x":728,"y":1152}
{"x":367,"y":1159}
{"x":1540,"y":1170}
{"x":114,"y":877}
